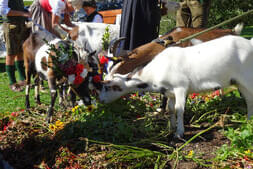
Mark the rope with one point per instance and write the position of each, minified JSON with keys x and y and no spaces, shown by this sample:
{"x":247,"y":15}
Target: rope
{"x":213,"y":27}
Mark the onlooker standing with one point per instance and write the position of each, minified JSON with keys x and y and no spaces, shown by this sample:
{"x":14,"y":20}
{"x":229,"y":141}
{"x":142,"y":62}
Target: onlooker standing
{"x":15,"y":32}
{"x":47,"y":13}
{"x":90,"y":9}
{"x":193,"y":13}
{"x":140,"y":21}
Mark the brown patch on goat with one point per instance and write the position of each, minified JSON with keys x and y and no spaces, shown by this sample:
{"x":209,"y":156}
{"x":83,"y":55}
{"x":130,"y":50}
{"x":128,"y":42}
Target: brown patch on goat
{"x":44,"y":63}
{"x":139,"y":56}
{"x":145,"y":53}
{"x":74,"y":33}
{"x":185,"y":32}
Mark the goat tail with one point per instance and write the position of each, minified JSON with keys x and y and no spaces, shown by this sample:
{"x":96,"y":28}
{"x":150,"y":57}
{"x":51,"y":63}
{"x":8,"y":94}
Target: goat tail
{"x":238,"y":28}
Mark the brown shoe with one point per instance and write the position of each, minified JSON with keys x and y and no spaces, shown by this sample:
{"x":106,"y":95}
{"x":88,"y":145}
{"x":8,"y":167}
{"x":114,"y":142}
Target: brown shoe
{"x":22,"y":83}
{"x":15,"y":87}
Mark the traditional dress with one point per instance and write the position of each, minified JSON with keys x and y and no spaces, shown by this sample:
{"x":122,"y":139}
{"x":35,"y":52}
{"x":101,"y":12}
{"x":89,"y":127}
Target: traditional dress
{"x":140,"y":22}
{"x":42,"y":12}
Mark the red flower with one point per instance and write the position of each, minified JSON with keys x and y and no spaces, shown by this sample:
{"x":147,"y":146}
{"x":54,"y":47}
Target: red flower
{"x":70,"y":70}
{"x":103,"y":60}
{"x":216,"y":93}
{"x":134,"y":95}
{"x":96,"y":79}
{"x":79,"y":69}
{"x":14,"y":114}
{"x":78,"y":80}
{"x":194,"y":95}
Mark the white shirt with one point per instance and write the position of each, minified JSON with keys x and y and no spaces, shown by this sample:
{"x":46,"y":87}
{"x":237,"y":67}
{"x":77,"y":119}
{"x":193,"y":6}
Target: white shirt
{"x":58,"y":6}
{"x":98,"y":19}
{"x":4,"y":8}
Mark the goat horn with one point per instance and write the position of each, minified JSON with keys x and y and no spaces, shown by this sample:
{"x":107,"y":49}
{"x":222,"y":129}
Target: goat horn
{"x":115,"y":45}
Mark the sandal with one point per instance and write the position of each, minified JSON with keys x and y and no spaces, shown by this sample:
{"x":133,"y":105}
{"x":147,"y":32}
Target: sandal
{"x":15,"y":87}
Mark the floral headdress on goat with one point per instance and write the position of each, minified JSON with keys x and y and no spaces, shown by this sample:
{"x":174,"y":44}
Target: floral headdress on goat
{"x":65,"y":63}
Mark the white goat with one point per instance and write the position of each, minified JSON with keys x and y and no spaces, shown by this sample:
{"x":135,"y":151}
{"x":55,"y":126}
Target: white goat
{"x":177,"y":71}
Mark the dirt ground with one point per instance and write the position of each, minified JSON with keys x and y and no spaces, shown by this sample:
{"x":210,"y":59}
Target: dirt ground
{"x":31,"y":151}
{"x":24,"y":155}
{"x":204,"y":146}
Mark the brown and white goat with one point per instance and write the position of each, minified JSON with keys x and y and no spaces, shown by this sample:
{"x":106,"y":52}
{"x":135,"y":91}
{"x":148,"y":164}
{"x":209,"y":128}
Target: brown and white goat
{"x":38,"y":62}
{"x":177,"y":72}
{"x":144,"y":54}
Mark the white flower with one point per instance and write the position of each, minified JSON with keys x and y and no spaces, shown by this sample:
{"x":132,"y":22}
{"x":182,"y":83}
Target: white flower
{"x":71,"y":78}
{"x":84,"y":73}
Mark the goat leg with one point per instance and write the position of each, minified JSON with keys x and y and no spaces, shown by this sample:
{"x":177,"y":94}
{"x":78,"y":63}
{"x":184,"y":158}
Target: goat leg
{"x":53,"y":93}
{"x":37,"y":90}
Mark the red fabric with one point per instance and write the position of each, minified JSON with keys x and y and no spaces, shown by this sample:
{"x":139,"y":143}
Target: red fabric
{"x":103,"y":60}
{"x":96,"y":79}
{"x":45,"y":5}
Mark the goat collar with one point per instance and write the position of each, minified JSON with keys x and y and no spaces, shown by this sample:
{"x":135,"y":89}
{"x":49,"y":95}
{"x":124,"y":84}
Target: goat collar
{"x":159,"y":41}
{"x":163,"y":42}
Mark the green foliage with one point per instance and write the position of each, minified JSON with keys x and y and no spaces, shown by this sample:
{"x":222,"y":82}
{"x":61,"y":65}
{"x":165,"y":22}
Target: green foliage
{"x":27,"y":3}
{"x":207,"y":107}
{"x":222,"y":10}
{"x":60,"y":56}
{"x":106,"y":39}
{"x":241,"y":142}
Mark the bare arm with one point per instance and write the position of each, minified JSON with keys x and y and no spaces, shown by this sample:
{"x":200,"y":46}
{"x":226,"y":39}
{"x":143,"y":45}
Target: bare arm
{"x":56,"y":21}
{"x":67,"y":20}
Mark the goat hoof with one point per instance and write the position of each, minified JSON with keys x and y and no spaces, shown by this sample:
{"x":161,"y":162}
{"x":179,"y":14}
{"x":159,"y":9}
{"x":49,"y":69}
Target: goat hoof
{"x":179,"y":137}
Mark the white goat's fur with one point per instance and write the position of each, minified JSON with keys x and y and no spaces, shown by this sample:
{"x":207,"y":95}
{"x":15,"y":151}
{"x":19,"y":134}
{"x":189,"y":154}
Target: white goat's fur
{"x":43,"y":53}
{"x":206,"y":66}
{"x":90,"y":35}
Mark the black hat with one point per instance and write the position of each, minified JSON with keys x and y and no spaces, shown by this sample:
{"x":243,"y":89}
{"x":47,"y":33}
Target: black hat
{"x":91,"y":3}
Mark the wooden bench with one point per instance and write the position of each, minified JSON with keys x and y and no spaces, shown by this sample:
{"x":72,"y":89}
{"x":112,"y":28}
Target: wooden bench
{"x":109,"y":16}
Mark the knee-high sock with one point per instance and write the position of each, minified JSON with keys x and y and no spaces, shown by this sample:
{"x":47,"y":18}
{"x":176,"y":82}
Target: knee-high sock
{"x":10,"y":69}
{"x":21,"y":69}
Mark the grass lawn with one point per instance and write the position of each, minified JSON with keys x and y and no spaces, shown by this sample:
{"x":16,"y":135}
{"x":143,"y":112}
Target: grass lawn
{"x":14,"y":101}
{"x":27,"y":3}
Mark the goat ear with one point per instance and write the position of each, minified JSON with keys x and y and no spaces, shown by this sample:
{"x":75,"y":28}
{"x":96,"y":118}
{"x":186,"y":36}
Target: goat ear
{"x":114,"y":46}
